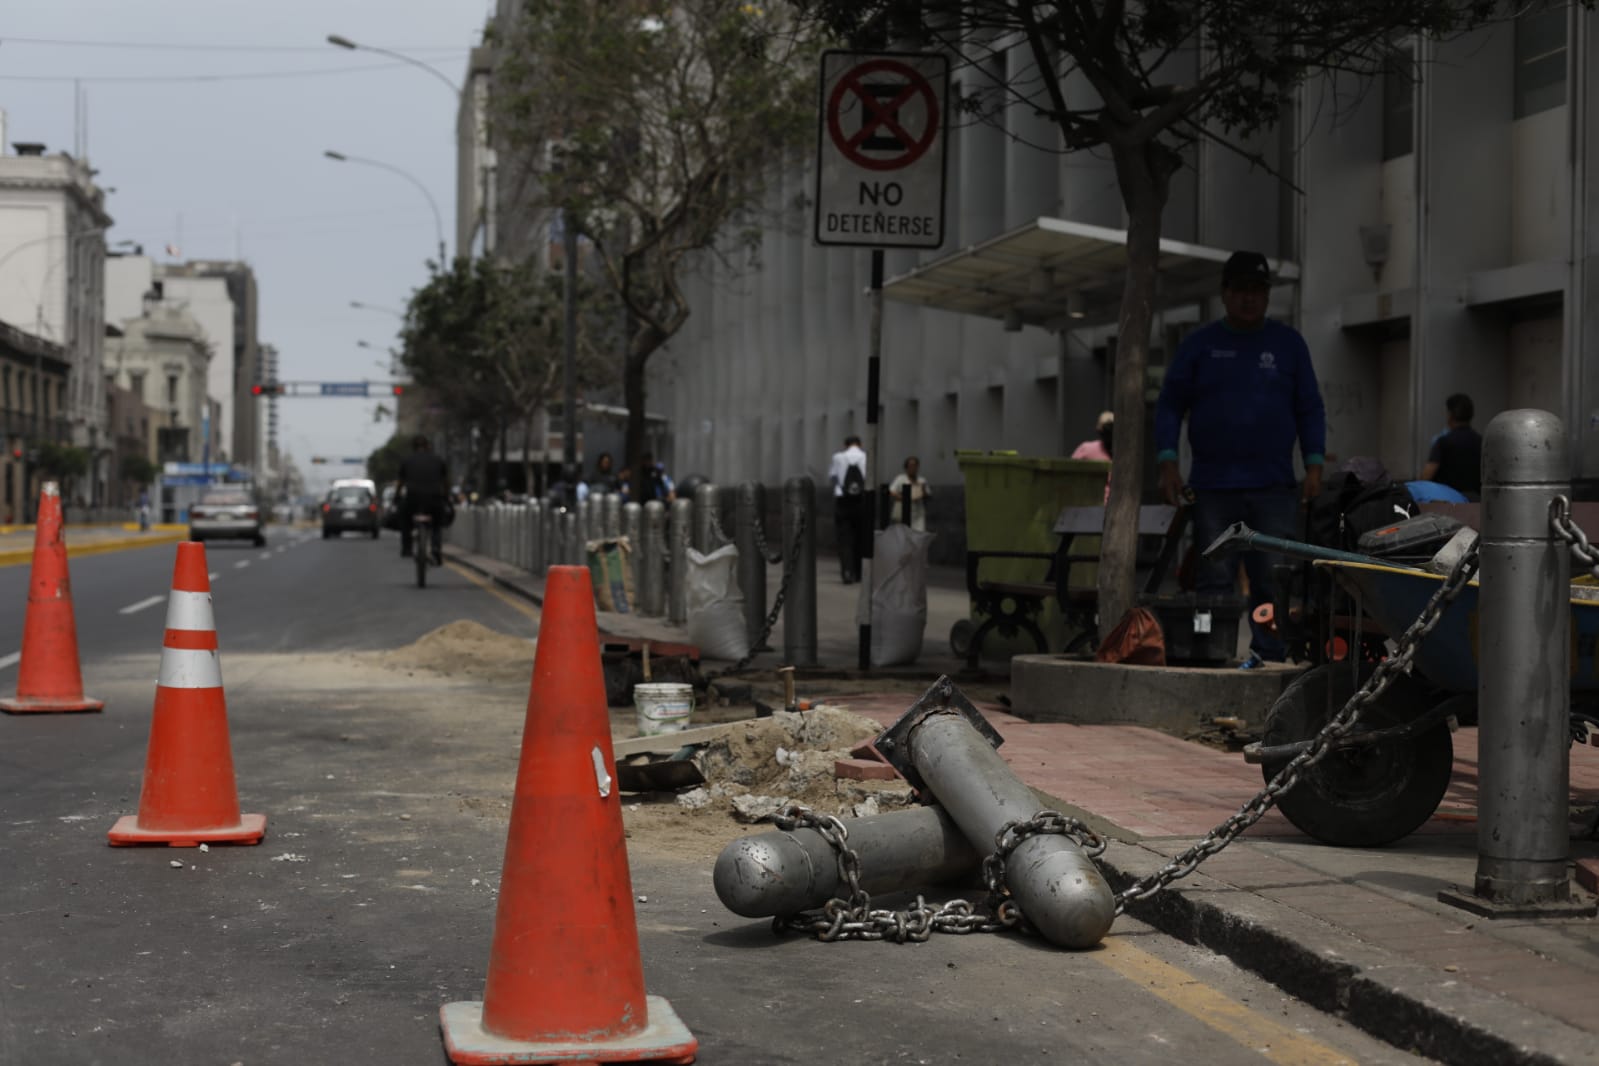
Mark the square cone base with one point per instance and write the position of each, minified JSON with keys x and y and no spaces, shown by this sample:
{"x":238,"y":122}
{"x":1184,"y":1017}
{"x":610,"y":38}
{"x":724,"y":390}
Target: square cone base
{"x":250,"y":830}
{"x":22,"y":705}
{"x":664,"y":1038}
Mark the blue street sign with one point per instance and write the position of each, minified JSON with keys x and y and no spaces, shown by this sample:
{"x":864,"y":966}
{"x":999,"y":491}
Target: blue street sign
{"x":338,"y":388}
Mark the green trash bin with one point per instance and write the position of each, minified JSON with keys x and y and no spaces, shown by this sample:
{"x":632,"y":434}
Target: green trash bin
{"x":1011,"y":504}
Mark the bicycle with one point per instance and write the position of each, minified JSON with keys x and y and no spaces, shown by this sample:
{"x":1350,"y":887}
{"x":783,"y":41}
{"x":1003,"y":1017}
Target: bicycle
{"x":422,"y":546}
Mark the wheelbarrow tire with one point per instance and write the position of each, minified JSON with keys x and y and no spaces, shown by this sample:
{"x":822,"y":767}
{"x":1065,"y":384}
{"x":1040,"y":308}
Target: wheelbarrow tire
{"x":1360,"y":797}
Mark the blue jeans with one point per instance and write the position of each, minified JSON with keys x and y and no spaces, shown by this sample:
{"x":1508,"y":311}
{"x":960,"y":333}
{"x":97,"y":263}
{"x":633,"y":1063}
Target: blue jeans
{"x":1269,"y":511}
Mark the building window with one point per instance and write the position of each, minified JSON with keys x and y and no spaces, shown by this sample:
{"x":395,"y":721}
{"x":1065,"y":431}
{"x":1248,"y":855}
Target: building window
{"x":172,"y":390}
{"x":7,"y":394}
{"x":1540,"y":81}
{"x":61,"y":396}
{"x":1398,"y":103}
{"x":136,"y":385}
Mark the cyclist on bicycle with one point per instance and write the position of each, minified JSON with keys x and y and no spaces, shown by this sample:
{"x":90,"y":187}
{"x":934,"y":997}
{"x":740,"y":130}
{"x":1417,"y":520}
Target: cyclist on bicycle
{"x":425,"y":481}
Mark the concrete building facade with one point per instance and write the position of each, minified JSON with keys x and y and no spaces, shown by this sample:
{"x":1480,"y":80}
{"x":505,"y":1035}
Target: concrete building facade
{"x":52,"y":252}
{"x":34,"y":375}
{"x":161,"y":359}
{"x":1439,"y":244}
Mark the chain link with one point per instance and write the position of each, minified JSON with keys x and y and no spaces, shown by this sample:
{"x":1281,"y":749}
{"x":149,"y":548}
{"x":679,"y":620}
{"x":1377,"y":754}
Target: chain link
{"x":772,"y":558}
{"x":777,"y":604}
{"x":1339,"y":726}
{"x":851,"y":916}
{"x":1568,"y":531}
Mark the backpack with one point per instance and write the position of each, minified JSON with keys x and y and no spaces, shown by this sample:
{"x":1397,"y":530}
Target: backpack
{"x":854,"y":480}
{"x":1348,"y":507}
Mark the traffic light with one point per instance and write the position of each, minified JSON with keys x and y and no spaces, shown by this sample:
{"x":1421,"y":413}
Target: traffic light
{"x":271,"y":388}
{"x":399,"y":390}
{"x":318,"y":460}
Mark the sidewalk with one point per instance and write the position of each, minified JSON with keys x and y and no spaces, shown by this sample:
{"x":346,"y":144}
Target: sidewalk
{"x":1358,"y":933}
{"x":16,"y":542}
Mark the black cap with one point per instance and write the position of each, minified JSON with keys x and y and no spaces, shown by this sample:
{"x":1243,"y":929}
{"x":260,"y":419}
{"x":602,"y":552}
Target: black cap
{"x":1242,"y":268}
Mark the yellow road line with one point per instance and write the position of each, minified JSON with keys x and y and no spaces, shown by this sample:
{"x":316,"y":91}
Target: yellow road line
{"x":1277,"y":1043}
{"x":492,"y":590}
{"x":18,"y":556}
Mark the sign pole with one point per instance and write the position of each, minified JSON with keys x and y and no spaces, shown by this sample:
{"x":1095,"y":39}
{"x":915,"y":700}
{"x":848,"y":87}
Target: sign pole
{"x":874,"y":377}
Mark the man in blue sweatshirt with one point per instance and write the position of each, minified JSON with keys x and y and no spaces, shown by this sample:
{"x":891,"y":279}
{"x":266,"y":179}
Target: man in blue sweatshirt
{"x":1247,"y":388}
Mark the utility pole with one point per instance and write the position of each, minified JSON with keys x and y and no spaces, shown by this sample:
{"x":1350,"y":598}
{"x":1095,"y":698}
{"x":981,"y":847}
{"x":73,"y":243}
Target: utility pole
{"x":569,"y":357}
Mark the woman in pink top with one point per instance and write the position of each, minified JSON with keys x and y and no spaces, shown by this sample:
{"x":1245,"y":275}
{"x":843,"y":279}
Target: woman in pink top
{"x":1098,"y":448}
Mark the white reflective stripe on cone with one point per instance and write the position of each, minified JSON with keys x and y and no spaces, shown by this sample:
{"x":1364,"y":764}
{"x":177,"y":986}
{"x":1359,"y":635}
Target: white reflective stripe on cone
{"x":190,"y":668}
{"x":190,"y":610}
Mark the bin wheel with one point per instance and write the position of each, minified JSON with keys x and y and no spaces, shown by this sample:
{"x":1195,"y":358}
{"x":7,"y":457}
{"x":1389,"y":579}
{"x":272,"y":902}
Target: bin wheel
{"x":1361,"y":797}
{"x":960,"y":637}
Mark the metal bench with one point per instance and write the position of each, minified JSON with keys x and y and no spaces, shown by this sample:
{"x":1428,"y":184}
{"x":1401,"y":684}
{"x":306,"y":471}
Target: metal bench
{"x":1013,"y":607}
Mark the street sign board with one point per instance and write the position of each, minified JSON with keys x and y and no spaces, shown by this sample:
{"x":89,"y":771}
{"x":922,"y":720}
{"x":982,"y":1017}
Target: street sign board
{"x":880,"y":149}
{"x":344,"y":388}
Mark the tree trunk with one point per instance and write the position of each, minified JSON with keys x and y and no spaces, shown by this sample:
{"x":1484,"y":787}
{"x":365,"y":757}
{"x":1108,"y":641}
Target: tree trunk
{"x":1143,"y":172}
{"x":635,"y":443}
{"x":527,"y":452}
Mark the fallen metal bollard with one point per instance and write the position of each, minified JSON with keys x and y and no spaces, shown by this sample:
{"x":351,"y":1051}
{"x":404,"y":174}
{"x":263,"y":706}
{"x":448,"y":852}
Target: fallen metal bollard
{"x":944,"y":746}
{"x":785,"y":872}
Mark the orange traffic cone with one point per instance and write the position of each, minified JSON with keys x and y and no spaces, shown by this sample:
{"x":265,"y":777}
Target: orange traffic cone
{"x":48,"y":678}
{"x":189,"y":796}
{"x":565,"y":983}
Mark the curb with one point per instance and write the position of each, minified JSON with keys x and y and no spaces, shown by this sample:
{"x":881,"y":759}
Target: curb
{"x":18,"y":556}
{"x":1409,"y":1006}
{"x":469,"y":561}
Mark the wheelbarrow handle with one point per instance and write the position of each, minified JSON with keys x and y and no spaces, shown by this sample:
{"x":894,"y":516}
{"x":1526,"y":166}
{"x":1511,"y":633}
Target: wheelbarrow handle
{"x":1239,"y":536}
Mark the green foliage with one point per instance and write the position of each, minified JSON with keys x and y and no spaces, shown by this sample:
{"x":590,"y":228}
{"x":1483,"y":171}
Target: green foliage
{"x":655,"y":127}
{"x":383,"y":465}
{"x":138,"y":469}
{"x":62,"y":462}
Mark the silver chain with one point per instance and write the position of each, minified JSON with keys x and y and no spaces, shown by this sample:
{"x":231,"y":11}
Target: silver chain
{"x":851,"y":917}
{"x":772,"y":558}
{"x":1568,"y":531}
{"x":1338,"y":727}
{"x":777,"y":604}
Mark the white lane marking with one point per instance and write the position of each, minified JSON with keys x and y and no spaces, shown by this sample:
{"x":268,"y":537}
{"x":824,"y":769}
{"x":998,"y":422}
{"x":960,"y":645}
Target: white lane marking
{"x":7,"y":660}
{"x":213,"y":575}
{"x":281,"y":549}
{"x":241,"y":564}
{"x":264,"y":555}
{"x":133,"y":608}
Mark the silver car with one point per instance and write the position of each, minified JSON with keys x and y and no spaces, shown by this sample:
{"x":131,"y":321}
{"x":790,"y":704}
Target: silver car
{"x":226,"y":513}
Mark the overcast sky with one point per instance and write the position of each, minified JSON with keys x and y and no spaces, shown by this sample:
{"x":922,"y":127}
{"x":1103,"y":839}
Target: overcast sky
{"x":232,"y":166}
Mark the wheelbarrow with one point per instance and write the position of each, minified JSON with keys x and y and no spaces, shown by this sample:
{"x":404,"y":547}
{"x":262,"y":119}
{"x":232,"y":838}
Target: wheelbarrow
{"x":1387,"y":776}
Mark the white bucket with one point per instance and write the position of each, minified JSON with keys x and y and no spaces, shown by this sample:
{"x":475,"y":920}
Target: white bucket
{"x":662,"y":707}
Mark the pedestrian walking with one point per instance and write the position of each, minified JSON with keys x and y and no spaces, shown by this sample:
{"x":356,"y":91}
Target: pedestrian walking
{"x":1097,"y":447}
{"x":604,"y":479}
{"x":144,"y":510}
{"x":847,"y":475}
{"x":1455,"y":458}
{"x":910,"y":493}
{"x":1246,"y":386}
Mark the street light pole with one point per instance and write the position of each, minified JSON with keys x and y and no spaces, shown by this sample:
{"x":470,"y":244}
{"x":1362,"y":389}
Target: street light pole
{"x":438,"y":220}
{"x":339,"y":41}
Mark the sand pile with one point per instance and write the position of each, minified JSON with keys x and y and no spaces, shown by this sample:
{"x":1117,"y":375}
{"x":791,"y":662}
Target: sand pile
{"x":467,"y":649}
{"x":762,"y":764}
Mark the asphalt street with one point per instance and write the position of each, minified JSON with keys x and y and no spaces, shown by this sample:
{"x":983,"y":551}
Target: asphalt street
{"x":371,"y":901}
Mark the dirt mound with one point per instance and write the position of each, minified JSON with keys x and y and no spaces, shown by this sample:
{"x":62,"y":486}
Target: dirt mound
{"x":466,"y":649}
{"x":758,"y":766}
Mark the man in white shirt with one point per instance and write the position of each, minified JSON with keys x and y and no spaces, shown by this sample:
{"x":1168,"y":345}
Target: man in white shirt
{"x":848,"y":478}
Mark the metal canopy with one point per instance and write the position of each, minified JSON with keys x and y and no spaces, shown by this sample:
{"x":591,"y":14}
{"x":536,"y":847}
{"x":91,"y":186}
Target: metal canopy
{"x":1059,"y":275}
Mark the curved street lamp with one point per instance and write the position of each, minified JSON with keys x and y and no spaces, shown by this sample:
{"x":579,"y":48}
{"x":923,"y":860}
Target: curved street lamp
{"x":339,"y":41}
{"x":438,"y":221}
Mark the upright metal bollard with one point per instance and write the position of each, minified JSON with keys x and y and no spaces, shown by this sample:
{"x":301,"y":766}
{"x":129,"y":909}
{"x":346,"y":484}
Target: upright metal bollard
{"x":587,"y":519}
{"x":535,"y":537}
{"x":571,"y":541}
{"x":678,"y":533}
{"x":1524,"y":683}
{"x":799,"y":607}
{"x":652,"y":560}
{"x":611,"y":515}
{"x":632,"y":532}
{"x":939,"y":747}
{"x":552,"y":535}
{"x":706,"y":530}
{"x":749,"y":511}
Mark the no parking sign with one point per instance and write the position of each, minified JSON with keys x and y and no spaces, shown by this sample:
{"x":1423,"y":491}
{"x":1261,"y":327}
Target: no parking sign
{"x":880,"y":149}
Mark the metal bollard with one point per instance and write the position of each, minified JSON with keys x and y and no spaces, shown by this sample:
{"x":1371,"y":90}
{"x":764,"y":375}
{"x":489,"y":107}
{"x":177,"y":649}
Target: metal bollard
{"x":678,"y":533}
{"x":535,"y":537}
{"x":652,"y":560}
{"x":552,"y":535}
{"x":705,"y":537}
{"x":749,"y":511}
{"x":787,"y":872}
{"x":632,"y":532}
{"x":1524,"y":693}
{"x":799,"y":608}
{"x":586,"y":519}
{"x":611,"y":515}
{"x":571,"y":542}
{"x":942,"y":744}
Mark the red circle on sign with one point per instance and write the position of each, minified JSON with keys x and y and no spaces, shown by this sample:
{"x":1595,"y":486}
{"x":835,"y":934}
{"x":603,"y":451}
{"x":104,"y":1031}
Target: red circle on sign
{"x":883,"y":115}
